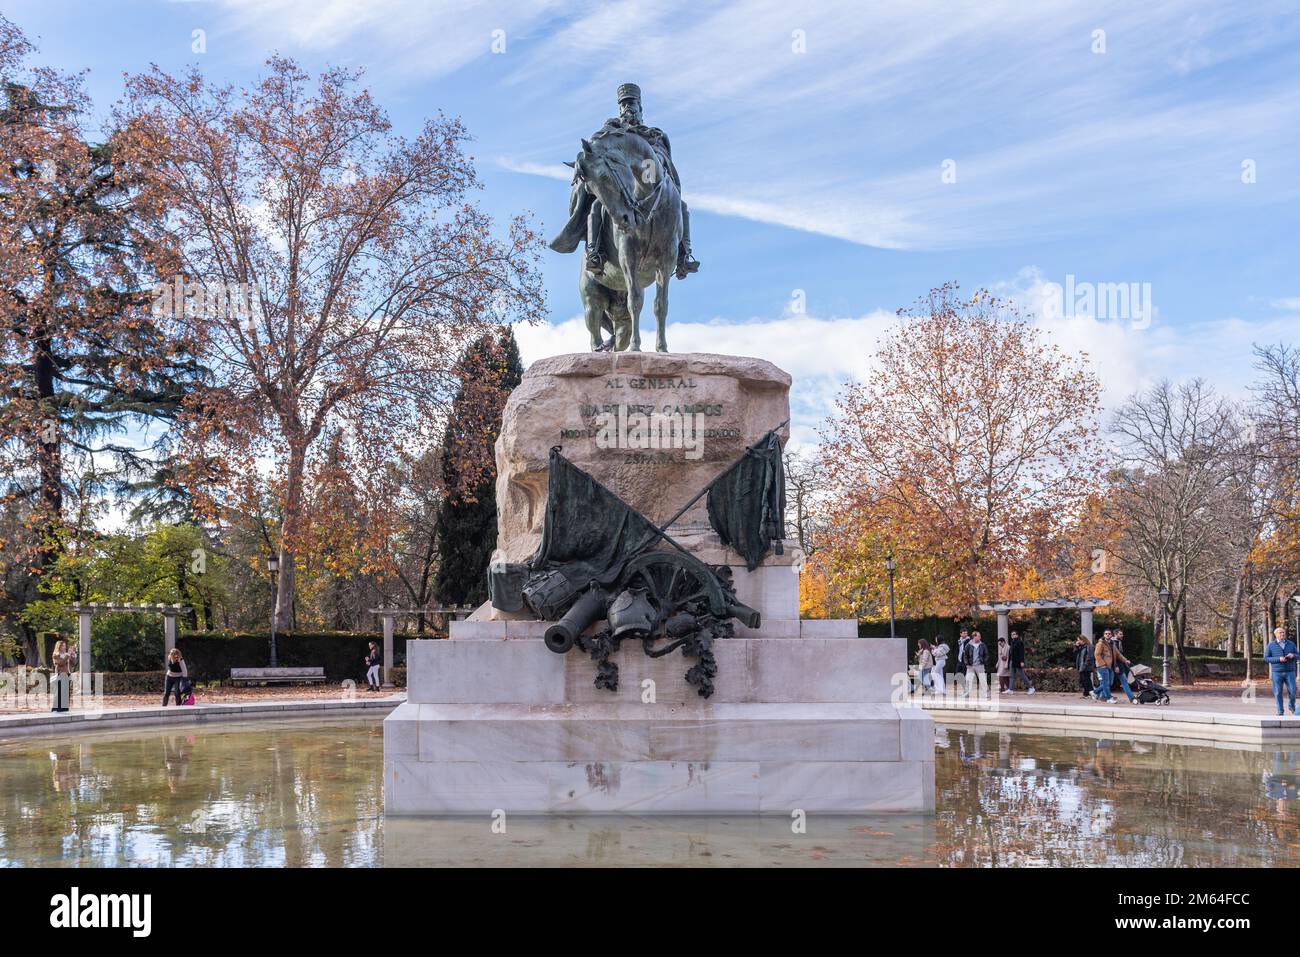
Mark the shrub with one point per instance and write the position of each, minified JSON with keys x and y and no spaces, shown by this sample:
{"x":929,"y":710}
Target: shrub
{"x":125,"y":642}
{"x":209,"y":656}
{"x":1226,"y":667}
{"x":134,"y":682}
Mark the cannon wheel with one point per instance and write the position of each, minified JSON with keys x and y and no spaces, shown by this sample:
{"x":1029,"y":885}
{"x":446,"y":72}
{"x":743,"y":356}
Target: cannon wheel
{"x":674,"y":583}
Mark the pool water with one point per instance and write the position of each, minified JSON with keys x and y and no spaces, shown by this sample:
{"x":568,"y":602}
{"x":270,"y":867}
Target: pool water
{"x":309,"y":793}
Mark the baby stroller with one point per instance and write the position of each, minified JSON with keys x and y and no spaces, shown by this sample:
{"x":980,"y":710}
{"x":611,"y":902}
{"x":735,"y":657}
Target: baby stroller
{"x":1145,"y":688}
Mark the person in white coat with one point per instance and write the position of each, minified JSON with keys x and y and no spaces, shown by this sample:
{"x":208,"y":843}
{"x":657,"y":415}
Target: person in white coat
{"x":940,"y":653}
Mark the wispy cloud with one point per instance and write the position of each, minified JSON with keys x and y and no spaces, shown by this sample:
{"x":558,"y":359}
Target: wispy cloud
{"x":842,"y":119}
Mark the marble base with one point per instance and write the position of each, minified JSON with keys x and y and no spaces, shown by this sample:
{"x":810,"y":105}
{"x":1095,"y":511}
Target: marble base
{"x":793,"y":725}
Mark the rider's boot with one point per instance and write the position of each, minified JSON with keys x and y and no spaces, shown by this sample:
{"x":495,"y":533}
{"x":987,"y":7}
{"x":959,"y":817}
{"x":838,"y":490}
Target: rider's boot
{"x":686,"y":263}
{"x":595,"y":259}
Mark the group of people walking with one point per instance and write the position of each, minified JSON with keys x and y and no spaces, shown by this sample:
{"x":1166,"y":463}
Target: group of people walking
{"x":1104,"y":659}
{"x":972,"y":664}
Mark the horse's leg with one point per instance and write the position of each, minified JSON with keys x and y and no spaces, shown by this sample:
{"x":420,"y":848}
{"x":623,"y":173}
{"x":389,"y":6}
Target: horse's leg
{"x":593,"y":308}
{"x":635,"y":300}
{"x":661,"y":311}
{"x":622,"y":333}
{"x":635,"y":294}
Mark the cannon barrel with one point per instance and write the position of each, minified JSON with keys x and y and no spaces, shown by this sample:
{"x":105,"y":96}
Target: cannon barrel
{"x":590,"y":605}
{"x":749,"y":617}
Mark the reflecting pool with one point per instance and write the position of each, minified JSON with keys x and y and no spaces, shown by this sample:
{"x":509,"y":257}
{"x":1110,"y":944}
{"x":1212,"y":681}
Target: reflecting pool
{"x":309,"y":793}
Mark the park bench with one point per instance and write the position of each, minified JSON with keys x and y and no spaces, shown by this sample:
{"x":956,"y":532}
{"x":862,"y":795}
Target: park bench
{"x":276,"y":675}
{"x":1211,"y":668}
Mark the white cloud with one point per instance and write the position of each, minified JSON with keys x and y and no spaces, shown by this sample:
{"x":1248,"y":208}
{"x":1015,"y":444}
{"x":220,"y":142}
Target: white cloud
{"x":822,"y":353}
{"x":1130,"y":356}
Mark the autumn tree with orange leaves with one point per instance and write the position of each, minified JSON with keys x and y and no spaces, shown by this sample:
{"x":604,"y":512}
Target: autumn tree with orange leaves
{"x":967,"y":453}
{"x":341,"y":270}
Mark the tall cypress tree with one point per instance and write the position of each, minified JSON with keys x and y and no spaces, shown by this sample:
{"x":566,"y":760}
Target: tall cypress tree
{"x":467,"y":521}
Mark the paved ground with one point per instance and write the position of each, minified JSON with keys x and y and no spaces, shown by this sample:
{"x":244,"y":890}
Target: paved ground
{"x":1222,"y":697}
{"x":226,"y":695}
{"x":1227,"y":697}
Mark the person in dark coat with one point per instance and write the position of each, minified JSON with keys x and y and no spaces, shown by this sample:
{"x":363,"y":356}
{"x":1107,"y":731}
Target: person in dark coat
{"x":374,"y":662}
{"x":962,"y":642}
{"x":177,"y":677}
{"x":1018,"y":665}
{"x":1085,"y":663}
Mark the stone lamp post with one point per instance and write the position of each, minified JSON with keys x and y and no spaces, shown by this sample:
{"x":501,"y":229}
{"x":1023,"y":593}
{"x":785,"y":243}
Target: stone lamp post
{"x":273,"y":566}
{"x":889,"y":567}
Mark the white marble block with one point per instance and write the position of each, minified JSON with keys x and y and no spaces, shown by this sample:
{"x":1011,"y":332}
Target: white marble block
{"x":793,"y":725}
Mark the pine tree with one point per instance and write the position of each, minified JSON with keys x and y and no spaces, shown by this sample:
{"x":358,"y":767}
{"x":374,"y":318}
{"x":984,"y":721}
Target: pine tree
{"x":92,"y":376}
{"x":467,"y":521}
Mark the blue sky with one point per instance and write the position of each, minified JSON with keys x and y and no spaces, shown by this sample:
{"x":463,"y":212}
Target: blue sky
{"x":812,"y":141}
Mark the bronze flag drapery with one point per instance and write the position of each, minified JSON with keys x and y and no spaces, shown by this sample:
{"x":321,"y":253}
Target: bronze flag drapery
{"x":747,"y":502}
{"x":589,"y":532}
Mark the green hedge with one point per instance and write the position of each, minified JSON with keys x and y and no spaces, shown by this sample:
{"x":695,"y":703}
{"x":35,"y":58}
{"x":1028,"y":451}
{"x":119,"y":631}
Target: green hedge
{"x":1217,"y":654}
{"x":209,"y":656}
{"x":1047,"y":634}
{"x":152,"y":682}
{"x":1226,"y":667}
{"x":134,"y":682}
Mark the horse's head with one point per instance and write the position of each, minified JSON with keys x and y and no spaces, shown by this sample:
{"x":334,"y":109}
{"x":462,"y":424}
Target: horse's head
{"x":609,"y":175}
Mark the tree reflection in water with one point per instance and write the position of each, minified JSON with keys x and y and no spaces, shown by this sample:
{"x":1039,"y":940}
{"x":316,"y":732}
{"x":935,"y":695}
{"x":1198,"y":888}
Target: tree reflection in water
{"x":310,"y":794}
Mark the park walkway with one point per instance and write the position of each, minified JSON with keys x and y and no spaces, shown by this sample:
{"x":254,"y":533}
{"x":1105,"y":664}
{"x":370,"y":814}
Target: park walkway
{"x":1216,"y":712}
{"x":123,"y":714}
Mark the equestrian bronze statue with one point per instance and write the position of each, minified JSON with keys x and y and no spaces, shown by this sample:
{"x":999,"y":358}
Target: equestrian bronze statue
{"x":626,"y":202}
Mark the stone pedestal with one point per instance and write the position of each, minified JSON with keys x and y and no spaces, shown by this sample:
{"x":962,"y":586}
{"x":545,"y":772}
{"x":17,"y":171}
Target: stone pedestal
{"x":506,"y":725}
{"x":801,"y":718}
{"x":733,"y":402}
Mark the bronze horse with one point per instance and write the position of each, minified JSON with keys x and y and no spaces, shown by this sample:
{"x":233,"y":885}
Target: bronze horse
{"x":642,"y":217}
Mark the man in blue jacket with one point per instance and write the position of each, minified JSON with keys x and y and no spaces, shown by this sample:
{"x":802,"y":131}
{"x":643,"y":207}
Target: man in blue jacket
{"x":1281,"y":656}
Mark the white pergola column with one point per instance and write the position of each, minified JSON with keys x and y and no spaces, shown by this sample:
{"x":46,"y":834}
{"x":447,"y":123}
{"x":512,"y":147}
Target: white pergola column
{"x":83,"y":649}
{"x":1085,"y":622}
{"x":169,"y":633}
{"x":388,"y":650}
{"x":1004,"y":633}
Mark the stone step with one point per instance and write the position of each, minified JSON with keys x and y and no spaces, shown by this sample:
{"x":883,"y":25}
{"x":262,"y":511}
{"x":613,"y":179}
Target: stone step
{"x":657,"y":787}
{"x":773,"y":670}
{"x":640,"y":732}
